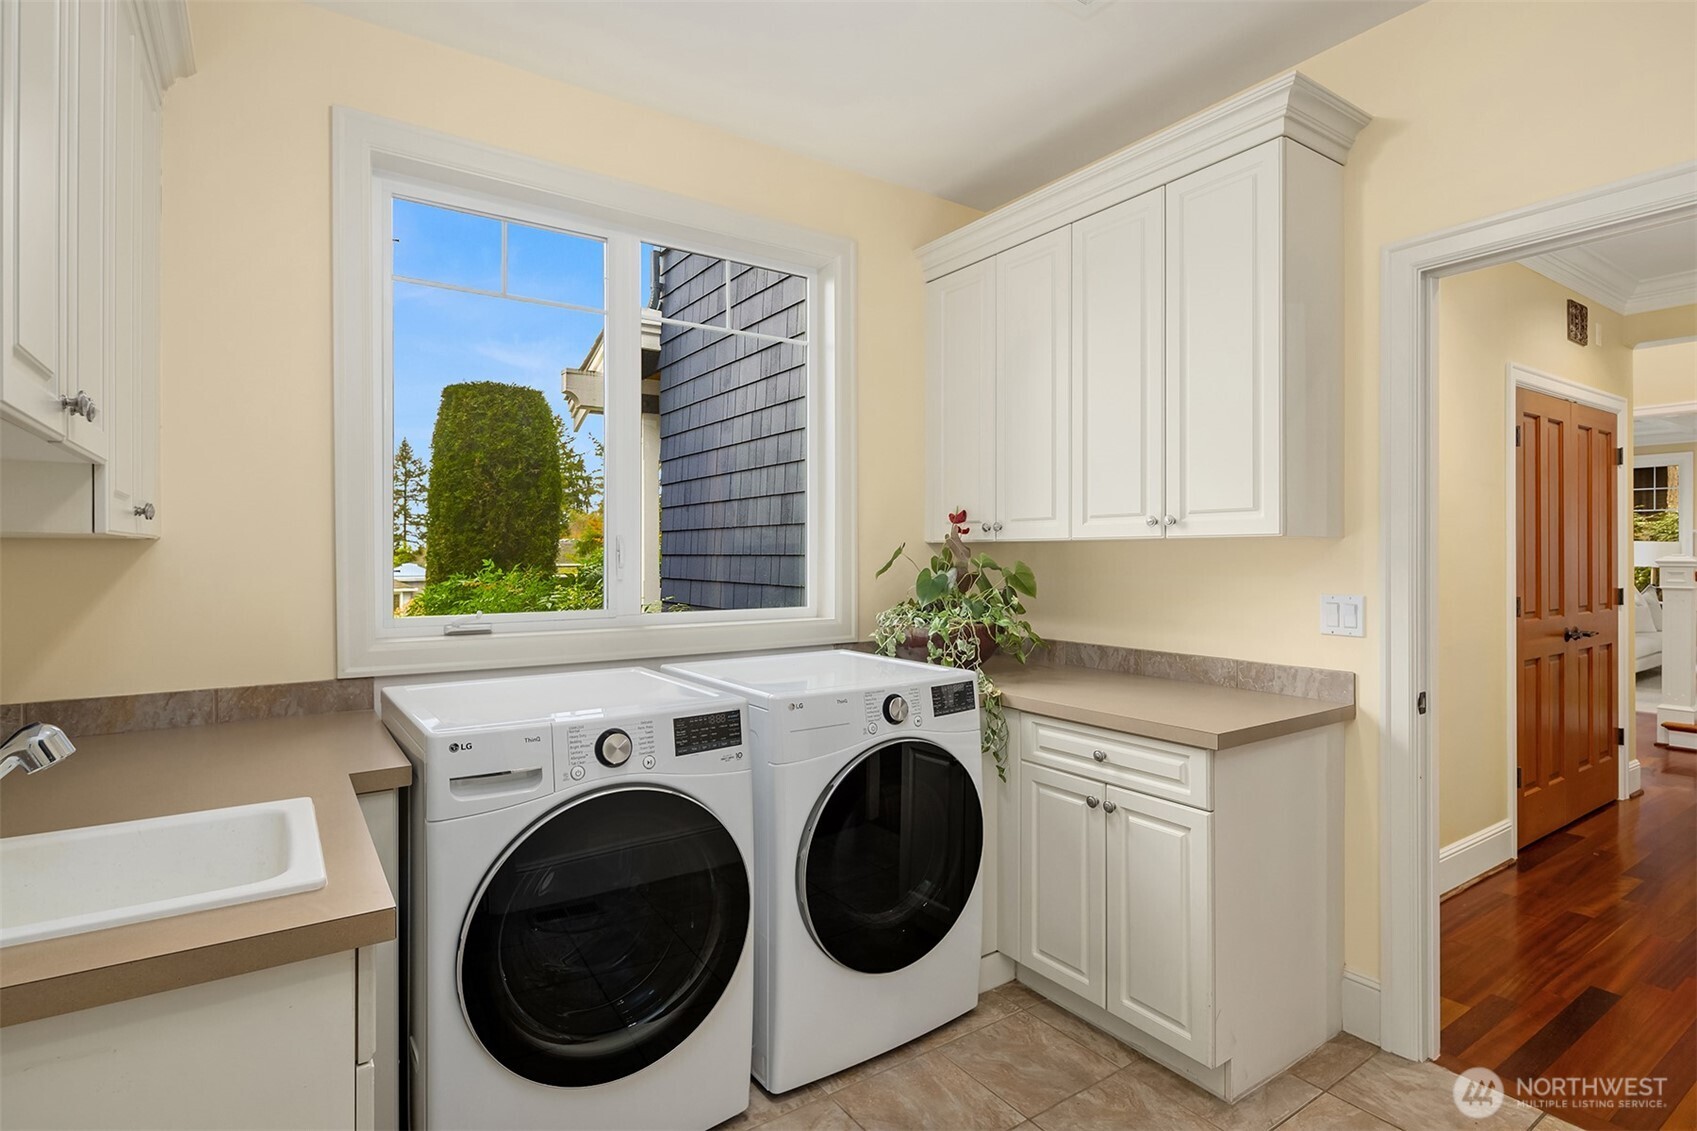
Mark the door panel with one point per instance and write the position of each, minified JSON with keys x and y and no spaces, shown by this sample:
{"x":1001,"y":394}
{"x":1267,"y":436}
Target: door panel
{"x":1062,"y":910}
{"x":1119,"y":430}
{"x":1224,"y":306}
{"x":960,"y":398}
{"x":1160,"y":921}
{"x":1567,"y":695}
{"x":1033,"y":381}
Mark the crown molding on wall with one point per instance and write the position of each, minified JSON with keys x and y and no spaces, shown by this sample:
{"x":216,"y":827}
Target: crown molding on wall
{"x":1596,"y":278}
{"x":166,"y":34}
{"x":1291,"y":105}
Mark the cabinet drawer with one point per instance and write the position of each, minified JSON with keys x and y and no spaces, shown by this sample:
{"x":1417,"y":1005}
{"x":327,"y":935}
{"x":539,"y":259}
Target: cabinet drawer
{"x":1142,"y":765}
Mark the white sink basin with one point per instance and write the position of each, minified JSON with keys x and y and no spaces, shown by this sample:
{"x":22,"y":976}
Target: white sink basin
{"x":88,"y":879}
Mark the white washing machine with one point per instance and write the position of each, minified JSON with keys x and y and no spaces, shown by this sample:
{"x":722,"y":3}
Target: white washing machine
{"x":579,"y":901}
{"x":869,"y":832}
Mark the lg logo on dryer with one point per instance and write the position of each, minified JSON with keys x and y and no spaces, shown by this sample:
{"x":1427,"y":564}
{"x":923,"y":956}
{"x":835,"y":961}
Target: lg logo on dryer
{"x":456,"y":747}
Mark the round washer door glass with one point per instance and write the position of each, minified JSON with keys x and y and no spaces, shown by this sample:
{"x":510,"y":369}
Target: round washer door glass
{"x":604,"y":937}
{"x":890,"y":856}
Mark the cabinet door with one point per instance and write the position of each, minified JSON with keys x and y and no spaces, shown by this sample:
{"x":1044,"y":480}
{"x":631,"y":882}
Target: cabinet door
{"x":1160,"y":921}
{"x":1033,"y":379}
{"x":38,"y":65}
{"x":1224,"y":306}
{"x":130,"y":471}
{"x":1062,"y":909}
{"x":960,"y":405}
{"x":1119,"y":429}
{"x":89,"y":368}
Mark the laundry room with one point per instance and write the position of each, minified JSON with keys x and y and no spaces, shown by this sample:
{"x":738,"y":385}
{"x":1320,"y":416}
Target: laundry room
{"x":632,"y":565}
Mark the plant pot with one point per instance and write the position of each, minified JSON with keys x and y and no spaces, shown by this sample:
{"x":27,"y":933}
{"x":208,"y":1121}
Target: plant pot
{"x":917,"y":644}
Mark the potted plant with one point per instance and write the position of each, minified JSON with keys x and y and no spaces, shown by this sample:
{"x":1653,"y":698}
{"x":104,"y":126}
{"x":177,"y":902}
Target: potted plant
{"x":964,"y":608}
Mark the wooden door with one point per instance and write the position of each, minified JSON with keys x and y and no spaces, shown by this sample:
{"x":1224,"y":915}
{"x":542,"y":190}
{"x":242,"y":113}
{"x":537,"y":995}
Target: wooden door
{"x":1061,"y":889}
{"x":1160,"y":921}
{"x":960,"y":399}
{"x":1224,"y":376}
{"x":1567,"y":697}
{"x":1033,"y":385}
{"x":1119,"y":429}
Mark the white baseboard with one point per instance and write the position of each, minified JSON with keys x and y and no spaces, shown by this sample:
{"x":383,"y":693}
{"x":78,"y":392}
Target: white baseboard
{"x":995,"y":969}
{"x":1634,"y":777}
{"x":1361,"y":1006}
{"x":1474,"y":855}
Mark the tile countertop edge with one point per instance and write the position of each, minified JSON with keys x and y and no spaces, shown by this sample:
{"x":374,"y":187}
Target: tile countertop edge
{"x":225,"y":942}
{"x":1094,"y":699}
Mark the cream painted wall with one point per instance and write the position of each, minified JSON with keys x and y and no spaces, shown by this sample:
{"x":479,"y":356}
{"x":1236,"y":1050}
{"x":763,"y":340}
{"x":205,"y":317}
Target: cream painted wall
{"x":1474,"y":114}
{"x":1474,"y":111}
{"x":239,"y":590}
{"x":1661,"y":325}
{"x":1665,"y":374}
{"x":1486,"y":320}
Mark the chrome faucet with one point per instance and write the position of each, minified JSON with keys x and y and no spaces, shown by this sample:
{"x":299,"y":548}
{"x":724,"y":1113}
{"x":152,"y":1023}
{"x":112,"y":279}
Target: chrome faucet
{"x":35,"y":747}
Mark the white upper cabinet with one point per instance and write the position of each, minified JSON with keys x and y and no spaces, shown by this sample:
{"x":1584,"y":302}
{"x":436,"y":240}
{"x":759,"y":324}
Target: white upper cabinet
{"x":1168,"y":335}
{"x":79,"y":418}
{"x":1033,"y":341}
{"x":1118,"y":359}
{"x":960,"y":470}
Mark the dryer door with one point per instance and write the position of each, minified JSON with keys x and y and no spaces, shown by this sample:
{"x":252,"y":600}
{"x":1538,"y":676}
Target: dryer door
{"x":604,"y":936}
{"x":890,"y":856}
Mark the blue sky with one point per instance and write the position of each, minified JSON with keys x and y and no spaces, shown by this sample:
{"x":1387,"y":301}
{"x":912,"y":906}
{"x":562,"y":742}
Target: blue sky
{"x":443,"y":337}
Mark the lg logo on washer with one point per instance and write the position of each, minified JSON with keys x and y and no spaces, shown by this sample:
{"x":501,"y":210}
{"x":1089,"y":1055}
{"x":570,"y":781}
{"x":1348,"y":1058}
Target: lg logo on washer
{"x":456,"y":747}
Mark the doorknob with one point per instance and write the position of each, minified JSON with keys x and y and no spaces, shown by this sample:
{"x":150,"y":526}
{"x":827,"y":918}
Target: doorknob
{"x":1570,"y":634}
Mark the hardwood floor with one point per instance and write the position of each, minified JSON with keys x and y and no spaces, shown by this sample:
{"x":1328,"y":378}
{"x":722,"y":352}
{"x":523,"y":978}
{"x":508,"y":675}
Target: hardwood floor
{"x":1580,"y":961}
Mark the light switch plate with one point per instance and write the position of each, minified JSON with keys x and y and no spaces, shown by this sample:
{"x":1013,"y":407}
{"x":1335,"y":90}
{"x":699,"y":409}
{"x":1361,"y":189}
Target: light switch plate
{"x":1340,"y":614}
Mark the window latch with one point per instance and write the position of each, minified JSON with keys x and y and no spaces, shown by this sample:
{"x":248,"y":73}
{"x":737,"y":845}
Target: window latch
{"x":619,"y":556}
{"x":477,"y":626}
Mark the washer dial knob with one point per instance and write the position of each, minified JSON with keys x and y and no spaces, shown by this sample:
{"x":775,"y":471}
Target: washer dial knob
{"x":613,"y":748}
{"x":895,"y":709}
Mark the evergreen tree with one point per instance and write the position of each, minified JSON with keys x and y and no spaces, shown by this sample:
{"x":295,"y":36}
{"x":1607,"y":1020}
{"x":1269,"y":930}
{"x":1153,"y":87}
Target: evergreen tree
{"x":410,"y":474}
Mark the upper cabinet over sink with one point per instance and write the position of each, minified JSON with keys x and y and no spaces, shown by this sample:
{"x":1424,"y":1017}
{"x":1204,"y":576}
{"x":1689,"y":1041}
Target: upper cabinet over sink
{"x":1152,"y":346}
{"x":80,"y":88}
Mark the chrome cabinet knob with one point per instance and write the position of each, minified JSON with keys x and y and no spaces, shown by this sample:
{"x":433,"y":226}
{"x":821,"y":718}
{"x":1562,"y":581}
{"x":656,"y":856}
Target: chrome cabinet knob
{"x":997,"y":527}
{"x":1152,"y":521}
{"x":80,"y":405}
{"x":1171,"y":521}
{"x":985,"y":528}
{"x":145,"y":511}
{"x":1092,"y":802}
{"x":1099,"y":755}
{"x":1108,"y":806}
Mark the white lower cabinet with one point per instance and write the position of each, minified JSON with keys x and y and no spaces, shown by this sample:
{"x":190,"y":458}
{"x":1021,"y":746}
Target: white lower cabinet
{"x":271,"y":1049}
{"x":1185,"y":900}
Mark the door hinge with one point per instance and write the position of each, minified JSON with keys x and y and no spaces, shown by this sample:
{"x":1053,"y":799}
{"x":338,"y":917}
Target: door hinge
{"x":1620,"y":595}
{"x":1420,"y":703}
{"x":1517,"y":777}
{"x":1517,"y":606}
{"x":1517,"y":435}
{"x":1620,"y":457}
{"x":1620,"y":736}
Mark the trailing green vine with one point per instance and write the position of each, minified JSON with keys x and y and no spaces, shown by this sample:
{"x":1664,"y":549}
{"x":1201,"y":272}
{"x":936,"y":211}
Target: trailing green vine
{"x":963,"y":608}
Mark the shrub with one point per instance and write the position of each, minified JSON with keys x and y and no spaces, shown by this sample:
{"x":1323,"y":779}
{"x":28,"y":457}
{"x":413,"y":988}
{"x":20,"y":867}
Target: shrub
{"x":523,"y":590}
{"x":495,"y":490}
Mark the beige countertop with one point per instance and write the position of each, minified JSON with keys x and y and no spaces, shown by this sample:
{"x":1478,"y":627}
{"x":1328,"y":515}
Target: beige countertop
{"x":1193,"y":714}
{"x":123,"y":777}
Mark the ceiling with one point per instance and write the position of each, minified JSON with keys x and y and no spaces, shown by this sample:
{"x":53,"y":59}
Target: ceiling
{"x":1649,"y":429}
{"x":1651,"y":269}
{"x":976,"y":101}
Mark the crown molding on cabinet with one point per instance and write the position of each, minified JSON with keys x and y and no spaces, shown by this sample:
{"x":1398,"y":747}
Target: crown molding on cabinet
{"x":1291,"y":105}
{"x":170,"y":42}
{"x":1594,"y":277}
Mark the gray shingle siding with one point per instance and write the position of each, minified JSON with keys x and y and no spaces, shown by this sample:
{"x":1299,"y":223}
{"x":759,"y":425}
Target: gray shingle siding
{"x":733,"y":418}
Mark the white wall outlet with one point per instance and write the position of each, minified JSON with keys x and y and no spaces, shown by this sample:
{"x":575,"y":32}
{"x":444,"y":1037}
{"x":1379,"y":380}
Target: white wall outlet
{"x":1340,"y":614}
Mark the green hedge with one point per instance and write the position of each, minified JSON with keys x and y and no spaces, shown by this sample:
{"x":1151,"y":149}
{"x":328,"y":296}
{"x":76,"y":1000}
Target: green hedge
{"x":495,"y":490}
{"x":492,"y":590}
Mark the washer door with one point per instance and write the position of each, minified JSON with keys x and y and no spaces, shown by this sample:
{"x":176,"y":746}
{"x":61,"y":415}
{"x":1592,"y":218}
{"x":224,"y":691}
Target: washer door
{"x":890,"y":856}
{"x":603,"y":937}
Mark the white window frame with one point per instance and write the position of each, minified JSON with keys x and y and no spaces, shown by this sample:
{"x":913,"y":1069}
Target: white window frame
{"x":374,"y":159}
{"x":1649,"y":553}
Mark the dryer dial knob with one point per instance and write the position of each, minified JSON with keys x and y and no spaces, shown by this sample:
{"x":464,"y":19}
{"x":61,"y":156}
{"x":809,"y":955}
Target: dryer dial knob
{"x":895,"y":709}
{"x":613,"y":748}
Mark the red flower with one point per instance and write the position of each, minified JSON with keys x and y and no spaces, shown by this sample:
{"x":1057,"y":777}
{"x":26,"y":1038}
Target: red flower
{"x":963,"y":530}
{"x":958,"y":517}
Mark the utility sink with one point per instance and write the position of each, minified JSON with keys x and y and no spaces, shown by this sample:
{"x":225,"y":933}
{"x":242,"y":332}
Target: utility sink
{"x":78,"y":880}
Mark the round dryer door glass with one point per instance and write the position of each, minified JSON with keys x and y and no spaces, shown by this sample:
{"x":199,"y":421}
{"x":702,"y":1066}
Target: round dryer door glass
{"x":604,"y":937}
{"x":890,"y":857}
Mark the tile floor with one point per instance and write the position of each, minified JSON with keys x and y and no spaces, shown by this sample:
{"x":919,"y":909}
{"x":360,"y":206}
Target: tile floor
{"x":1019,"y":1062}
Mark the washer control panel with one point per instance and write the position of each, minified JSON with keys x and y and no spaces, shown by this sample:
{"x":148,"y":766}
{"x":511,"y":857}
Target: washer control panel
{"x":953,"y":698}
{"x":893,"y":709}
{"x":619,"y":745}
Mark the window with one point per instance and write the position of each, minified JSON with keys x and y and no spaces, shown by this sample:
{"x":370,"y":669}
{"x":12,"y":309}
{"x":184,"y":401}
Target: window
{"x":576,"y":420}
{"x":1661,"y":511}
